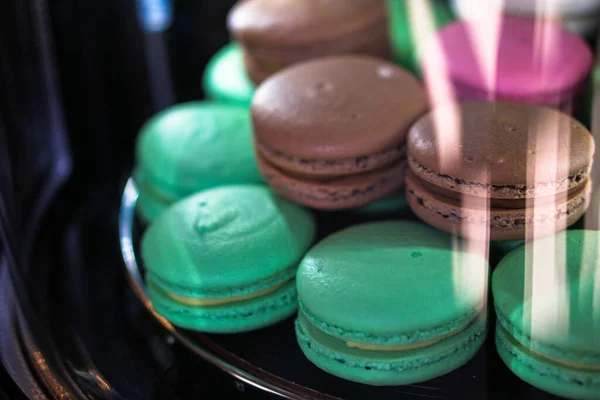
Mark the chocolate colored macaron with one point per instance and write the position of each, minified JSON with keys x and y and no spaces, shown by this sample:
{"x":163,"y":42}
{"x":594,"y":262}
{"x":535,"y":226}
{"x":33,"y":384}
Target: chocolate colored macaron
{"x":277,"y":33}
{"x":330,"y":133}
{"x":514,"y":170}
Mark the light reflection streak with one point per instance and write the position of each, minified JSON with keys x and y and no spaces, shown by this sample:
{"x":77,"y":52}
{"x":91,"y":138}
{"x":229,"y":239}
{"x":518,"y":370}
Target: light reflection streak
{"x":547,"y":289}
{"x":592,"y":219}
{"x":448,"y":128}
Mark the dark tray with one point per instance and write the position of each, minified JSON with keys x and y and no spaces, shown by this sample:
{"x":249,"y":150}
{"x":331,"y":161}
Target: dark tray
{"x":270,"y":360}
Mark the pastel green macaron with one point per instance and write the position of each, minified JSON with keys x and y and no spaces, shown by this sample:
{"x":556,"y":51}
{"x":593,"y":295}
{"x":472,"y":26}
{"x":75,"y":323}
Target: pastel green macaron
{"x":224,"y":260}
{"x":390,"y":205}
{"x":407,"y":27}
{"x":225,"y":78}
{"x":547,"y":300}
{"x":391,"y":303}
{"x":192,"y":147}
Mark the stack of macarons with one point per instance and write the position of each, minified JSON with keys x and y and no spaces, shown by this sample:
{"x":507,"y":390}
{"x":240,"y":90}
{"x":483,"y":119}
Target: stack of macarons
{"x":254,"y":21}
{"x":520,"y":170}
{"x":330,"y":133}
{"x":308,"y":113}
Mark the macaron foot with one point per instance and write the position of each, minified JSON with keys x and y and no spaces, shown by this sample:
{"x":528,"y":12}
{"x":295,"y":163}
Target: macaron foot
{"x":389,"y":368}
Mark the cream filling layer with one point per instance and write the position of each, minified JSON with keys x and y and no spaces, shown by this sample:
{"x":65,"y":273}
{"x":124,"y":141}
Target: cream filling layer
{"x":405,"y":347}
{"x":207,"y":302}
{"x":554,"y":360}
{"x":565,"y":363}
{"x":570,"y":364}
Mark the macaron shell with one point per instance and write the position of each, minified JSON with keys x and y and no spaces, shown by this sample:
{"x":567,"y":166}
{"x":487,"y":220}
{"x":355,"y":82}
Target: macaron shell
{"x":390,"y":368}
{"x":500,"y":143}
{"x":258,"y":71}
{"x":195,"y":146}
{"x":560,"y":316}
{"x":148,"y":206}
{"x":500,"y":224}
{"x":545,"y":375}
{"x":233,"y":318}
{"x":225,"y":79}
{"x":342,"y":290}
{"x":394,"y":203}
{"x":564,"y":102}
{"x":296,"y":23}
{"x":373,"y":40}
{"x":335,"y":193}
{"x":226,"y":238}
{"x":516,"y":72}
{"x":320,"y":109}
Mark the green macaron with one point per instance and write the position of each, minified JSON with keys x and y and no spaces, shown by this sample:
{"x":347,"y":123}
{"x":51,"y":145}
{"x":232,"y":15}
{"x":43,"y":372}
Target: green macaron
{"x":390,"y":205}
{"x":547,"y":300}
{"x":407,"y":28}
{"x":225,"y":78}
{"x":192,"y":147}
{"x":391,"y":303}
{"x":224,"y":260}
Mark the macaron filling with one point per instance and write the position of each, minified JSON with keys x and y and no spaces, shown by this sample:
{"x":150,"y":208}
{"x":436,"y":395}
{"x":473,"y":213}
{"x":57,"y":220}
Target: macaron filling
{"x":360,"y":188}
{"x":512,"y":191}
{"x":388,"y":350}
{"x":514,"y":342}
{"x":393,"y":342}
{"x":402,"y":347}
{"x":315,"y":166}
{"x":493,"y":203}
{"x":456,"y":212}
{"x":207,"y":302}
{"x":213,"y":295}
{"x":583,"y":360}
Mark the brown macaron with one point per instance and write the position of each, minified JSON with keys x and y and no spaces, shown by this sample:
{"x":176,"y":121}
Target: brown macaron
{"x":277,"y":33}
{"x":506,"y":170}
{"x":330,"y":133}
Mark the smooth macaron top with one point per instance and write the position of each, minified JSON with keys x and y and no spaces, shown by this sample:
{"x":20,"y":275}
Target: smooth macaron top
{"x":291,"y":22}
{"x":502,"y":144}
{"x":530,"y":58}
{"x":546,"y":296}
{"x":337,"y":107}
{"x":194,"y":146}
{"x":390,"y":283}
{"x":226,"y":239}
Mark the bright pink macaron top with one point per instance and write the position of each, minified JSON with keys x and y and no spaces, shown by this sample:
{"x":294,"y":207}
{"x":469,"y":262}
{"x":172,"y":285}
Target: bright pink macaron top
{"x":525,"y":60}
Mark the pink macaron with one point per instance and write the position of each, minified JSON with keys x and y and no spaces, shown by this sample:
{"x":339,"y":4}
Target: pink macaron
{"x":507,"y":58}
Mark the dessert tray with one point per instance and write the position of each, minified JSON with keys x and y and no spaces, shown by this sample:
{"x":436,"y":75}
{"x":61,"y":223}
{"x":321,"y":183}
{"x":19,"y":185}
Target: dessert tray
{"x":270,"y":361}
